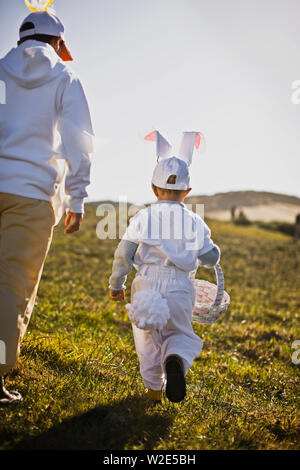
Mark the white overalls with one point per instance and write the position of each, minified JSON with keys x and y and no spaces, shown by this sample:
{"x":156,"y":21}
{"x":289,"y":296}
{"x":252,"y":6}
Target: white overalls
{"x":178,"y":337}
{"x":165,"y":266}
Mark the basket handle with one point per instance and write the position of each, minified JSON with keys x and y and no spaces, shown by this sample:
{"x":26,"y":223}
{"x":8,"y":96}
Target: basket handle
{"x":220,"y":285}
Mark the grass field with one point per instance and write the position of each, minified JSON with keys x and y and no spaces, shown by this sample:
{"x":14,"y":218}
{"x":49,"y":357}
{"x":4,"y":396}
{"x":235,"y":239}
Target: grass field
{"x":78,"y":371}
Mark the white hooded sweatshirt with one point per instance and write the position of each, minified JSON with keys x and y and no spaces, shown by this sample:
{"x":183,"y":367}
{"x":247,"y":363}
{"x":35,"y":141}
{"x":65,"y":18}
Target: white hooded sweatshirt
{"x":168,"y":234}
{"x":45,"y":128}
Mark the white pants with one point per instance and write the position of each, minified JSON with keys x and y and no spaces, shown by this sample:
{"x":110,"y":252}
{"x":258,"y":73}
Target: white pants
{"x":178,"y":336}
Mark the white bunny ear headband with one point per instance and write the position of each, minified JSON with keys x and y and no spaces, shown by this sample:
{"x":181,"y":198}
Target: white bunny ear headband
{"x":38,"y":5}
{"x":190,"y":142}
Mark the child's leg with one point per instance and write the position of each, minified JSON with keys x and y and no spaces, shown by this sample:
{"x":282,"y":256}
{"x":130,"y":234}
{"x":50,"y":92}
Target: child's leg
{"x":147,"y":345}
{"x":179,"y":337}
{"x":149,"y":354}
{"x":180,"y":344}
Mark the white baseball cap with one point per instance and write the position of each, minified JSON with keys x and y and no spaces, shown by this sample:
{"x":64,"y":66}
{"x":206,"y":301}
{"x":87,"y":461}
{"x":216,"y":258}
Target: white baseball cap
{"x":48,"y":24}
{"x":171,"y":166}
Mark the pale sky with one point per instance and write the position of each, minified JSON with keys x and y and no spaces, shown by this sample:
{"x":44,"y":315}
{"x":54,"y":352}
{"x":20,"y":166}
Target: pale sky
{"x":222,"y":67}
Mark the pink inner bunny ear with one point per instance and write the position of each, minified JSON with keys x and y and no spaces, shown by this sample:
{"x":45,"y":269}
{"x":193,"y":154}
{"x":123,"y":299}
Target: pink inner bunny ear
{"x":197,"y":140}
{"x":163,"y":148}
{"x":190,"y":141}
{"x":151,"y":136}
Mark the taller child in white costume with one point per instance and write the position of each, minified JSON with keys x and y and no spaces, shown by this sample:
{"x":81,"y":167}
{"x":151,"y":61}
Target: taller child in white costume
{"x":166,"y":242}
{"x":41,"y":99}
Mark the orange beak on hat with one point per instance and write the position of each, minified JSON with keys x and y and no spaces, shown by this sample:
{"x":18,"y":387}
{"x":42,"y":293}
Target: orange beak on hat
{"x":65,"y":54}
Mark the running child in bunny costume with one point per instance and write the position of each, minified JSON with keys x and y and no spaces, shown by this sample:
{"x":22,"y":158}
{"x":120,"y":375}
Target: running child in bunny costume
{"x":165,"y":242}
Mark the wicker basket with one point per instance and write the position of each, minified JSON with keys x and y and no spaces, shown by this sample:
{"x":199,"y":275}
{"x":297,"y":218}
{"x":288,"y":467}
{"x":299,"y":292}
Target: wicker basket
{"x":211,"y":299}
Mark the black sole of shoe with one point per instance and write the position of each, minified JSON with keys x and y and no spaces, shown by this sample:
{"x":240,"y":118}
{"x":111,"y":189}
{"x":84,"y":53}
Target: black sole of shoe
{"x":175,"y":388}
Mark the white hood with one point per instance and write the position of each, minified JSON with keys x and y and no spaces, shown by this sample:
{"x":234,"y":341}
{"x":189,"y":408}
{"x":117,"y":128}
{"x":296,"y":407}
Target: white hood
{"x":32,"y":64}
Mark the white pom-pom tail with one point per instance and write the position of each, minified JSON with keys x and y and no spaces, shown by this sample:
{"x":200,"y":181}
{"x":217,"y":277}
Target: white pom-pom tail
{"x":149,"y":310}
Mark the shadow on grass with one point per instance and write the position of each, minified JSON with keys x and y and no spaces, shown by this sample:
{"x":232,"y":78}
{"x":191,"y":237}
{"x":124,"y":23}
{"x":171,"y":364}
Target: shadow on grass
{"x":129,"y":423}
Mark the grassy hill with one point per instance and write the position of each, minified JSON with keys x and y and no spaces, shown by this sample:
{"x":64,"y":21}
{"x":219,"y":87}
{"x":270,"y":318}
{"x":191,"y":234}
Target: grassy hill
{"x":224,"y":201}
{"x":256,"y":205}
{"x":78,"y":371}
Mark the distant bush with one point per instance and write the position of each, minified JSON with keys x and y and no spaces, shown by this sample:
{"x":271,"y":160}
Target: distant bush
{"x":283,"y":227}
{"x":242,"y":219}
{"x":276,"y":226}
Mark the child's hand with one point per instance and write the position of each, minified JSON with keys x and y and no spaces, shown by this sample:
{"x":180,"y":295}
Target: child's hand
{"x":116,"y":294}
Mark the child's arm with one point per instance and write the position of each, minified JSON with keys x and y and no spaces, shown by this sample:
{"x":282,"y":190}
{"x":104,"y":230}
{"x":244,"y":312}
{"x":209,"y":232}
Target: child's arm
{"x":209,"y":254}
{"x":210,"y":258}
{"x":122,"y":265}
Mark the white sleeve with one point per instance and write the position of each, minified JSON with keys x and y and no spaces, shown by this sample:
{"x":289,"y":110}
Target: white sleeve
{"x":75,"y":128}
{"x":133,"y":231}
